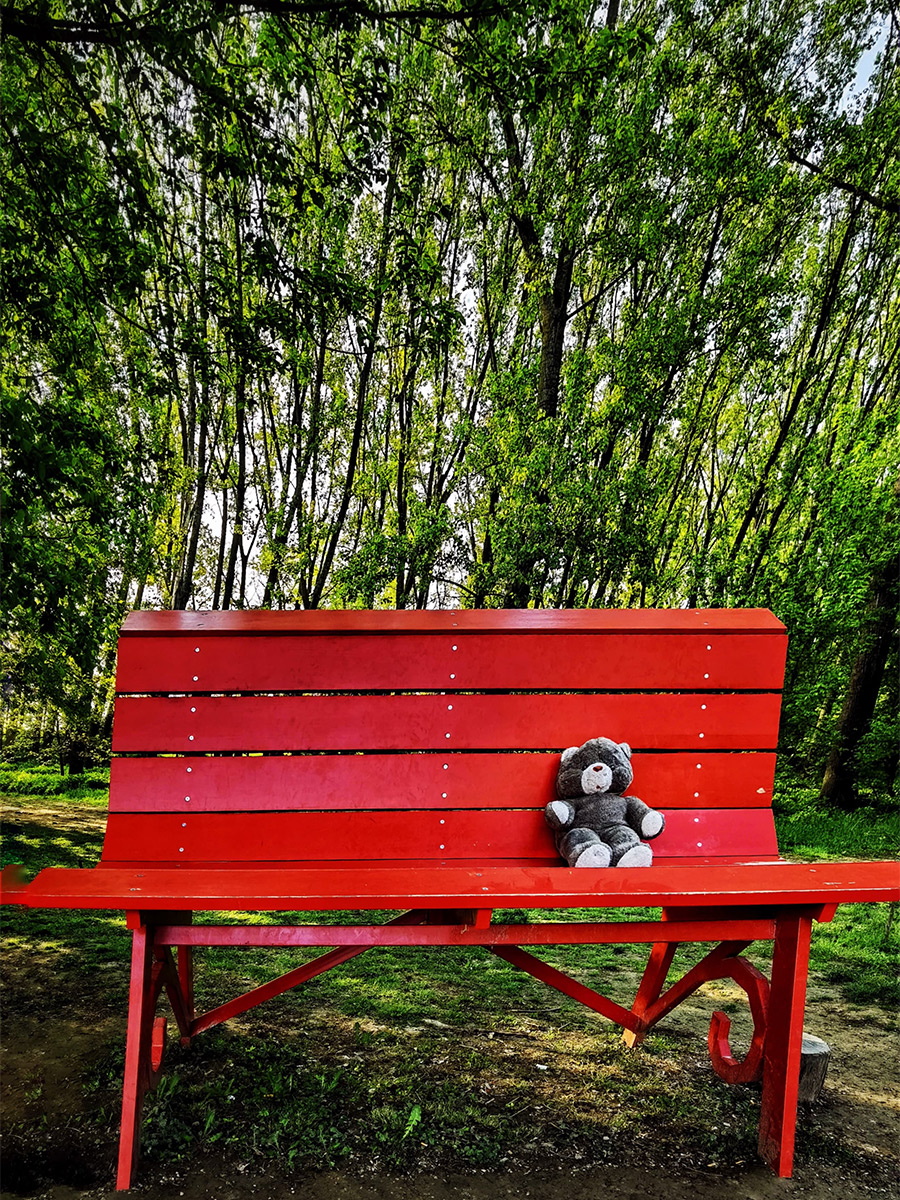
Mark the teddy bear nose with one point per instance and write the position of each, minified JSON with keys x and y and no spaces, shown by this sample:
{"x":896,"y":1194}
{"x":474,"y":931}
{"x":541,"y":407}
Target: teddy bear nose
{"x":598,"y":767}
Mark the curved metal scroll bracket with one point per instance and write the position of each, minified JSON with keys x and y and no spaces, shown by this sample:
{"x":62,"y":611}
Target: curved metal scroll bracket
{"x":754,"y":983}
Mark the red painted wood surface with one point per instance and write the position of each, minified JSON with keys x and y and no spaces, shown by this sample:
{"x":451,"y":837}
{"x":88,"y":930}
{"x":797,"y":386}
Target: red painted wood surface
{"x":137,"y":1053}
{"x":781,"y":1065}
{"x":429,"y":722}
{"x":433,"y":864}
{"x":555,"y":933}
{"x":673,"y":620}
{"x":370,"y":836}
{"x":451,"y":661}
{"x":327,"y":781}
{"x":322,"y":889}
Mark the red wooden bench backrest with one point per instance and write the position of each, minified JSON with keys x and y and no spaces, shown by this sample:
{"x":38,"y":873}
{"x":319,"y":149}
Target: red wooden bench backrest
{"x":267,"y":737}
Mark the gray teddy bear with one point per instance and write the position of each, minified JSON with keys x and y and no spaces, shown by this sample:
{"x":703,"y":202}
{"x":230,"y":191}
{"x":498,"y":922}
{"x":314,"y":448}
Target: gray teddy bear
{"x":595,"y":823}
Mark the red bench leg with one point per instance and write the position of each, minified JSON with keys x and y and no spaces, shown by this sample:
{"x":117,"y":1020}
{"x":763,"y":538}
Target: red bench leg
{"x":141,"y":1006}
{"x":781,"y":1062}
{"x":651,"y":986}
{"x":186,"y":979}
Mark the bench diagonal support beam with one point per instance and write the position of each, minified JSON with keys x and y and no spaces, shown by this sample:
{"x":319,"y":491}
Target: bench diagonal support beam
{"x":564,"y":983}
{"x":652,"y":983}
{"x":292,"y":979}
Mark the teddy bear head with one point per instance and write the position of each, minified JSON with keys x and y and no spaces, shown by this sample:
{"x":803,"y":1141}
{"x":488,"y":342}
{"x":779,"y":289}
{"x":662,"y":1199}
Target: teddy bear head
{"x":600,"y":765}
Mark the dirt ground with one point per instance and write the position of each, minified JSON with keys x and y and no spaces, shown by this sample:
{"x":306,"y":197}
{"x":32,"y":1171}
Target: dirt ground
{"x":55,"y":1034}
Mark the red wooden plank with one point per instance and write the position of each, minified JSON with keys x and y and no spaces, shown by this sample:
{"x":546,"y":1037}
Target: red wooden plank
{"x":677,"y":620}
{"x":555,"y":933}
{"x":288,"y":889}
{"x":370,"y":836}
{"x":429,"y":722}
{"x":431,"y":864}
{"x":349,"y":781}
{"x":451,"y":661}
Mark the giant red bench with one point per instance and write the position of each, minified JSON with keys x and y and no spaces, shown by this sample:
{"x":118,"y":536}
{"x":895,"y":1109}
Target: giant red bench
{"x":384,"y":761}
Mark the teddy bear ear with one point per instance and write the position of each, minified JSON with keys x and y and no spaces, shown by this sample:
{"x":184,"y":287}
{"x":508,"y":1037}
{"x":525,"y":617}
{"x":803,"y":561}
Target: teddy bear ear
{"x":570,"y":753}
{"x":626,"y":748}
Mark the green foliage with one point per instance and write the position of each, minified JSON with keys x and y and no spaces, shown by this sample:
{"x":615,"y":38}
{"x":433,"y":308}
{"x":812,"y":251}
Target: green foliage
{"x":451,"y":306}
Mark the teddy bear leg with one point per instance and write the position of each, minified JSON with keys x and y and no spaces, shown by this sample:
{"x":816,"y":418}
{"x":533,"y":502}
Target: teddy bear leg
{"x":584,"y":848}
{"x":594,"y":854}
{"x":640,"y":855}
{"x":627,"y":848}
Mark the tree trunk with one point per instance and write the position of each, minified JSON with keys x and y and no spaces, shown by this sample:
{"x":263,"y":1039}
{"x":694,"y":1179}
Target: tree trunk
{"x":839,"y":786}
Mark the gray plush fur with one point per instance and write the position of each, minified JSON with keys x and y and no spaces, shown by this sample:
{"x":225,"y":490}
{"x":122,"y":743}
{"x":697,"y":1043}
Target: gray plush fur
{"x":595,"y":823}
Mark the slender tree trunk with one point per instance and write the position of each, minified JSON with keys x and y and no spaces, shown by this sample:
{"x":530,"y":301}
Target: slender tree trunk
{"x":839,"y":786}
{"x":240,"y":399}
{"x":185,"y":583}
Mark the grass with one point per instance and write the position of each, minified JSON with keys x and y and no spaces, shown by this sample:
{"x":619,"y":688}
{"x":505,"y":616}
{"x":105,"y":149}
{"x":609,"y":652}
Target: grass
{"x":417,"y":1058}
{"x":34,"y":779}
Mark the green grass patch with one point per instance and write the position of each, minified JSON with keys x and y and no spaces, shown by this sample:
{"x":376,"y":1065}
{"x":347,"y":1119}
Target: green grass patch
{"x":812,"y":834}
{"x":37,"y":779}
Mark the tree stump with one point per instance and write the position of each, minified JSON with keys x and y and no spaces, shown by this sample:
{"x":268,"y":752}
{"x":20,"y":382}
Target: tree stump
{"x":814,"y":1058}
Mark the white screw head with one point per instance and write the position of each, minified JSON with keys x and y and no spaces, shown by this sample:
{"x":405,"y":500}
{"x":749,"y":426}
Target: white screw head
{"x":703,"y":735}
{"x":452,"y":647}
{"x":187,"y":799}
{"x":452,"y":676}
{"x":446,"y":735}
{"x":703,"y":706}
{"x":189,"y":769}
{"x":184,"y":824}
{"x":449,"y":708}
{"x":196,"y":677}
{"x":442,"y":845}
{"x":194,"y":709}
{"x":181,"y":849}
{"x":196,"y":649}
{"x":706,"y":676}
{"x":444,"y":797}
{"x":446,"y":765}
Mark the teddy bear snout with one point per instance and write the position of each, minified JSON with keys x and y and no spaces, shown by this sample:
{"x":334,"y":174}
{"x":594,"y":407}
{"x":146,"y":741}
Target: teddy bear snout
{"x":596,"y":778}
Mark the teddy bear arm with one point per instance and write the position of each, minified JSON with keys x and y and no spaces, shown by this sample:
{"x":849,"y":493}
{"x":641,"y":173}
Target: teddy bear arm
{"x":646,"y":821}
{"x":559,"y":814}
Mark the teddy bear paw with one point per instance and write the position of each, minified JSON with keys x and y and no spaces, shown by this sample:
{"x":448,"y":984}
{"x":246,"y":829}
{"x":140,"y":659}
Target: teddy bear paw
{"x":559,"y":814}
{"x":636,"y":856}
{"x":652,"y":824}
{"x":597,"y":854}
